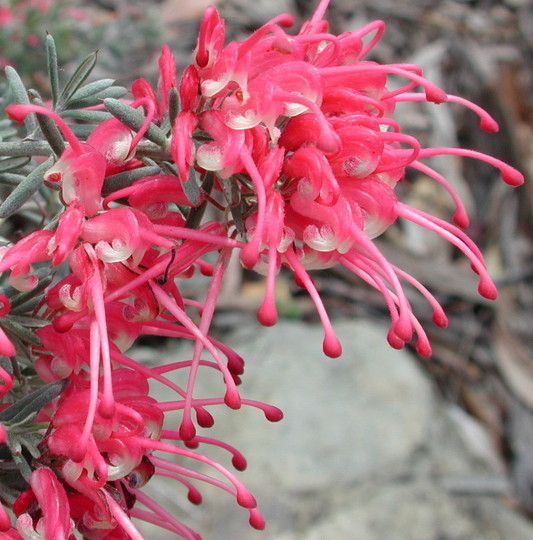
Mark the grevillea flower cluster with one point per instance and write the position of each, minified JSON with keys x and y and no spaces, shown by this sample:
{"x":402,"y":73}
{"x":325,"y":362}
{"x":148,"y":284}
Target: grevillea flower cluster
{"x":292,"y":140}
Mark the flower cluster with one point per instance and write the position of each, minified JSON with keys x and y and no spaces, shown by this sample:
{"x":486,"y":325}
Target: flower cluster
{"x":310,"y":126}
{"x":292,"y":140}
{"x":122,"y":263}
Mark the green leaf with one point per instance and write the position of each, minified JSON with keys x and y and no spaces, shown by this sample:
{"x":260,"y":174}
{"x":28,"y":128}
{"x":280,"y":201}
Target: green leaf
{"x":82,"y":131}
{"x":91,"y":89}
{"x":94,"y":93}
{"x":231,"y":191}
{"x":23,"y":466}
{"x":13,"y":163}
{"x":78,"y":78}
{"x":134,"y":119}
{"x":28,"y":306}
{"x":48,"y":126}
{"x":25,"y":190}
{"x":53,"y":70}
{"x":10,"y":179}
{"x":191,"y":188}
{"x":88,"y":116}
{"x":173,"y":105}
{"x":23,"y":333}
{"x":20,"y":95}
{"x":30,"y":441}
{"x":236,"y":214}
{"x":112,"y":92}
{"x":7,"y":129}
{"x":194,"y":218}
{"x":33,"y":403}
{"x":28,"y":322}
{"x":25,"y":148}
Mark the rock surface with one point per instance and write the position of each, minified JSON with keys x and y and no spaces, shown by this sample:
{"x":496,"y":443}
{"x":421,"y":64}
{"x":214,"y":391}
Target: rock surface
{"x":366,"y":451}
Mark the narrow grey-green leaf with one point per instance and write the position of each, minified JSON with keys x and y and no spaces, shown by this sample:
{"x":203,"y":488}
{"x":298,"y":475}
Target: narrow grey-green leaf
{"x":24,"y":190}
{"x":28,"y":307}
{"x":237,"y":213}
{"x":23,"y":466}
{"x":20,"y":95}
{"x":88,"y":116}
{"x":97,"y":99}
{"x":112,"y":92}
{"x":173,"y":105}
{"x":78,"y":78}
{"x":194,"y":218}
{"x":13,"y":163}
{"x":82,"y":131}
{"x":7,"y":134}
{"x":34,"y":402}
{"x":151,"y":151}
{"x":25,"y":148}
{"x":48,"y":126}
{"x":124,"y":179}
{"x":7,"y":129}
{"x":30,"y":441}
{"x":134,"y":118}
{"x":231,"y":191}
{"x":51,"y":225}
{"x":28,"y":322}
{"x":91,"y":89}
{"x":11,"y":179}
{"x":191,"y":188}
{"x":53,"y":70}
{"x":23,"y":333}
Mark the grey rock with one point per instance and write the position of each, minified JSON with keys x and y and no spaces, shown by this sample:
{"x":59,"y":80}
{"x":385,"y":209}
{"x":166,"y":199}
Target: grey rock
{"x":349,"y":419}
{"x":366,"y":450}
{"x":415,"y":511}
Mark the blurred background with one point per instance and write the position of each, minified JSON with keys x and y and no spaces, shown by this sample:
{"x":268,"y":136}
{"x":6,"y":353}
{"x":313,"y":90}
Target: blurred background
{"x":413,"y":448}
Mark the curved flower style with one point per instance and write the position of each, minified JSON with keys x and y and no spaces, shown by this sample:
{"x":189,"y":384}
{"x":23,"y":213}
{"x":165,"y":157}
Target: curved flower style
{"x":293,"y":139}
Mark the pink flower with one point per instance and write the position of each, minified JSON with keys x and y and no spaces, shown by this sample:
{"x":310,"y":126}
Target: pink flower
{"x":328,"y":116}
{"x":120,"y":234}
{"x":97,"y":453}
{"x":19,"y":258}
{"x":32,"y":40}
{"x":6,"y":347}
{"x":141,"y":88}
{"x":152,"y":195}
{"x":210,"y":39}
{"x":182,"y":147}
{"x":292,"y":138}
{"x":223,"y":154}
{"x":82,"y":167}
{"x":67,"y":233}
{"x":5,"y":16}
{"x":55,"y":523}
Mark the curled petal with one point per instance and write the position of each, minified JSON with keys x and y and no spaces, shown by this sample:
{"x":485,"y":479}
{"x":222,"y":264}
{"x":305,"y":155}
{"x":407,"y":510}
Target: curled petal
{"x":82,"y":180}
{"x":360,"y":154}
{"x":223,"y":154}
{"x":113,"y":140}
{"x":117,"y":234}
{"x":53,"y":502}
{"x":67,"y":233}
